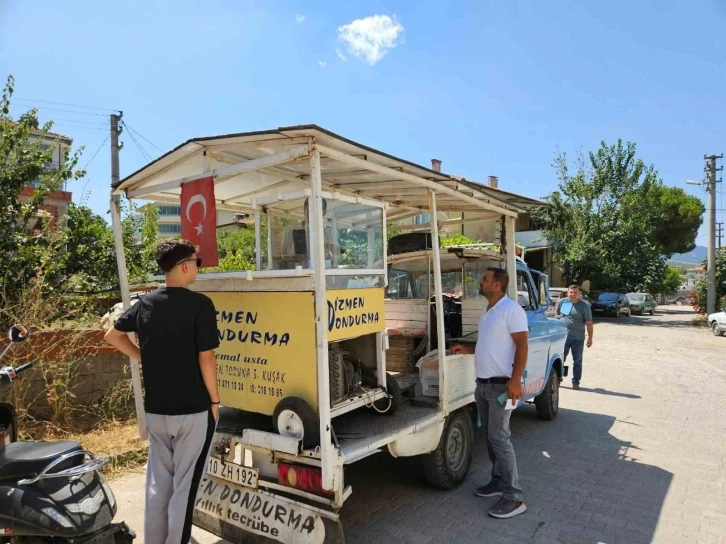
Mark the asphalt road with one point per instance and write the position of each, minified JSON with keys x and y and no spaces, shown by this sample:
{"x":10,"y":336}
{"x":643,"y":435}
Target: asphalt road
{"x":638,"y":455}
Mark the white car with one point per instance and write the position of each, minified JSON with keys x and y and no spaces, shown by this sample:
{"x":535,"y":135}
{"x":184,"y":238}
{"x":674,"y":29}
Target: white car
{"x":557,"y":293}
{"x":717,"y":323}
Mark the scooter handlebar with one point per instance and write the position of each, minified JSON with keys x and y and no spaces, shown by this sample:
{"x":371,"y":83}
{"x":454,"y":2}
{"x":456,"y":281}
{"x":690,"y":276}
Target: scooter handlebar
{"x":8,"y":373}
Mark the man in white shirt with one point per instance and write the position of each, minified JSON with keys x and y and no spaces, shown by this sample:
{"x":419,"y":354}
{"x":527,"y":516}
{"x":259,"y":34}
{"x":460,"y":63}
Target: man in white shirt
{"x":500,"y":357}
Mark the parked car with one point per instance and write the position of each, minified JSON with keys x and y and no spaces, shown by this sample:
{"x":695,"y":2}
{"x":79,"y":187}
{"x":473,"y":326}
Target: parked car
{"x":642,"y":303}
{"x":557,"y":294}
{"x":717,"y":322}
{"x":614,"y":304}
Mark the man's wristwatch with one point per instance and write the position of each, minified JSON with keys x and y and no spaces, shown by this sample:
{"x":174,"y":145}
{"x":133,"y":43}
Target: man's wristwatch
{"x":216,"y":402}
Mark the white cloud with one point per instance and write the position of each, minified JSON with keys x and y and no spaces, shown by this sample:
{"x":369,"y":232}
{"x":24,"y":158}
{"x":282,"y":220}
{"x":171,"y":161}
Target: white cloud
{"x":322,"y":64}
{"x":341,"y":55}
{"x":371,"y":38}
{"x":300,"y":18}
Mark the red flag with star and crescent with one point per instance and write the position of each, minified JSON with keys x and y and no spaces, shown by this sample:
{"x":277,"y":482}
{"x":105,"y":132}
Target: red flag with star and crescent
{"x":199,"y":219}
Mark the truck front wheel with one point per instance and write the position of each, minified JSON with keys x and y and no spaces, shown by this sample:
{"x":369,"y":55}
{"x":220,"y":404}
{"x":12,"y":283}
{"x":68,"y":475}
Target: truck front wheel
{"x":447,"y":466}
{"x":548,"y":401}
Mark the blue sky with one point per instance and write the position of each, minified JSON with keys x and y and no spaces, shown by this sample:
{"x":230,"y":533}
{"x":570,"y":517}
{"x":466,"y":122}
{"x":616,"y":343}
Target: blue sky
{"x":490,"y":88}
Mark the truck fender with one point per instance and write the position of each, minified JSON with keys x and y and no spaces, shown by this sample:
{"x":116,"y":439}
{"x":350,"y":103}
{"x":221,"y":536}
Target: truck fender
{"x":419,"y":442}
{"x":556,"y":364}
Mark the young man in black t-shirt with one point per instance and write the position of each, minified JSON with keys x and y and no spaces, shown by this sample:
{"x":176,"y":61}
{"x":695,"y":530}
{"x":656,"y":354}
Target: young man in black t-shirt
{"x":177,"y":334}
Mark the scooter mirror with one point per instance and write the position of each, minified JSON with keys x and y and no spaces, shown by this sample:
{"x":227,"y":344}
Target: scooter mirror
{"x":18,"y":333}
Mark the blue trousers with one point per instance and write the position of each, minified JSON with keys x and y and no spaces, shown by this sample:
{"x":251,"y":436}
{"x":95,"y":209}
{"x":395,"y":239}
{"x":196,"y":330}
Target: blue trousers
{"x":577,"y":347}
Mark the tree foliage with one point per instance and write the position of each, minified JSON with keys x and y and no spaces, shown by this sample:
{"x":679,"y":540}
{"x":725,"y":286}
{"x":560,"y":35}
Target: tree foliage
{"x":614,"y":223}
{"x":69,"y":259}
{"x":236,"y":248}
{"x":672,"y":281}
{"x":676,"y":217}
{"x":700,"y":292}
{"x":24,"y":229}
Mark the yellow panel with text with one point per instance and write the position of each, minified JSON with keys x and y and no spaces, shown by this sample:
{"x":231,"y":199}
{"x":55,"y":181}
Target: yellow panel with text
{"x":267,"y":349}
{"x":355,"y":312}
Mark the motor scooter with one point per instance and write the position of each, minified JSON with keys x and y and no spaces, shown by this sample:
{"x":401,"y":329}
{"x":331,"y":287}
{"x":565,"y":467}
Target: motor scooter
{"x":51,"y":491}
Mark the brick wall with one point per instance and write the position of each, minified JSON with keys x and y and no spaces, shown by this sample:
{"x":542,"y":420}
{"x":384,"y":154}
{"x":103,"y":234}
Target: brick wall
{"x":95,"y":368}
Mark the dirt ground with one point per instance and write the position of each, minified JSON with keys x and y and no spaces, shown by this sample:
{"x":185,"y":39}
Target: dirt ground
{"x":637,"y":455}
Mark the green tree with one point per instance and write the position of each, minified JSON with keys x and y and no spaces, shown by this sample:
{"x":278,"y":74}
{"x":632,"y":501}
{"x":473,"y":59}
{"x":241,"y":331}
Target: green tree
{"x":69,"y":259}
{"x":140,"y":234}
{"x":24,"y":233}
{"x":677,"y":217}
{"x":699,"y":294}
{"x":236,"y":248}
{"x":672,"y":281}
{"x":606,"y":221}
{"x":88,"y":263}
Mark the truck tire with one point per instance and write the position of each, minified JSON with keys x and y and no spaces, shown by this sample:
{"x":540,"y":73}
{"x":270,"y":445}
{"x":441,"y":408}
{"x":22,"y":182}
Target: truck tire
{"x":295,"y":417}
{"x":548,"y":401}
{"x":447,"y":466}
{"x":390,"y":405}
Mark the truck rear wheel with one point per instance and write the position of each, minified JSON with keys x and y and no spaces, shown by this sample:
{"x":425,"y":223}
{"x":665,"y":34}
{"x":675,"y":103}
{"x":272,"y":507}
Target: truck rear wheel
{"x":447,"y":466}
{"x":548,"y":401}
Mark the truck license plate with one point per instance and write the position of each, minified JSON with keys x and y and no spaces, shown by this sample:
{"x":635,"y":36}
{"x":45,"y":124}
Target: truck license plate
{"x":232,"y":472}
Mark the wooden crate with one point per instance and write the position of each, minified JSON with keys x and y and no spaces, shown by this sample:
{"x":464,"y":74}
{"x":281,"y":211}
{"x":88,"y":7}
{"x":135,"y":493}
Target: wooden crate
{"x":400,"y":354}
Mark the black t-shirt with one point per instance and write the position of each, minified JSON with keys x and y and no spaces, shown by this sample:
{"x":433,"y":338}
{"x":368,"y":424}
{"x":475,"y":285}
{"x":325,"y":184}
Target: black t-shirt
{"x":174,"y":325}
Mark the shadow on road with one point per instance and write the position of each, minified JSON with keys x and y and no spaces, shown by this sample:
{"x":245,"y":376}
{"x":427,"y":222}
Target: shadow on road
{"x":668,"y":317}
{"x":600,"y":391}
{"x":580,"y":485}
{"x":651,"y":321}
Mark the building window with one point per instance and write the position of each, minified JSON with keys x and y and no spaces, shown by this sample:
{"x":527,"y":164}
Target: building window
{"x":169,"y":228}
{"x":422,"y":219}
{"x":169,"y":210}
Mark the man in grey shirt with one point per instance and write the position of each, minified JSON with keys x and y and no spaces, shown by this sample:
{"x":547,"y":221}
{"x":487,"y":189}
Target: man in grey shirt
{"x":577,"y":315}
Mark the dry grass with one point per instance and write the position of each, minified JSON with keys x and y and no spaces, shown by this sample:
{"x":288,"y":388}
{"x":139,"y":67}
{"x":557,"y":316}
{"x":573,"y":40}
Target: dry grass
{"x":119,"y":441}
{"x":699,"y":321}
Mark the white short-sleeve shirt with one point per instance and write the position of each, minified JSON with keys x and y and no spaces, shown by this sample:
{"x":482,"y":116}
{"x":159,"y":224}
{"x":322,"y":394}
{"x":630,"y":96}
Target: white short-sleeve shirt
{"x":494,"y":355}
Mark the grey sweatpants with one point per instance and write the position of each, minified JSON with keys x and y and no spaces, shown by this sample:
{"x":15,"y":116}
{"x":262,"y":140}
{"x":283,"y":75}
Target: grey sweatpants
{"x":495,"y":422}
{"x":178,"y":447}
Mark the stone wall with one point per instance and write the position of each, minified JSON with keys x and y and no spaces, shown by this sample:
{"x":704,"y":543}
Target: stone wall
{"x":77,"y":362}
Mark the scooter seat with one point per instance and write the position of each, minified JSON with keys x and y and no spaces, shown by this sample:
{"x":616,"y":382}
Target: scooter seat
{"x":20,"y":460}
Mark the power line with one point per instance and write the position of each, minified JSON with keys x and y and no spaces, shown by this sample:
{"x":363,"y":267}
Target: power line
{"x":141,"y":136}
{"x":45,"y":108}
{"x":83,"y":191}
{"x":96,"y":153}
{"x":143,"y":151}
{"x":76,"y":121}
{"x":65,"y":104}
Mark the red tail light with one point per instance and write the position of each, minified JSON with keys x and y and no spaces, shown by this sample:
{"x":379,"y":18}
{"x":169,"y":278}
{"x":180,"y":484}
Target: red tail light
{"x":301,"y":477}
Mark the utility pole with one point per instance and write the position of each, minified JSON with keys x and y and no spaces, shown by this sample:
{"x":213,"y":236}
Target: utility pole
{"x":115,"y":147}
{"x":719,"y":233}
{"x":711,"y":271}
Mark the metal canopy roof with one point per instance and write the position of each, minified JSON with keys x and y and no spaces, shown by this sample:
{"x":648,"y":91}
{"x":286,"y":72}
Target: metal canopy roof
{"x":347,"y":167}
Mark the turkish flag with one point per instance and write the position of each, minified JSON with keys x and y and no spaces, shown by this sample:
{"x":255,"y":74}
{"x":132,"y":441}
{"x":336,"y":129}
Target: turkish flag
{"x":199,"y":219}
